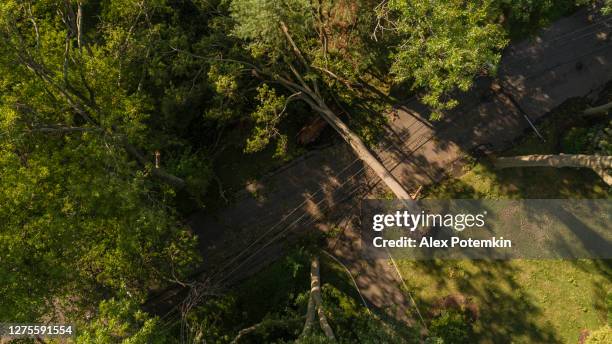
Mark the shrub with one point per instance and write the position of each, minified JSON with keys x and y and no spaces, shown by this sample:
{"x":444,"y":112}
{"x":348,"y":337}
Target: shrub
{"x":451,"y":326}
{"x":576,"y":141}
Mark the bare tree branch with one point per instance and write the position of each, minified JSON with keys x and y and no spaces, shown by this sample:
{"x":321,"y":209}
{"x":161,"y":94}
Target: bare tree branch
{"x":79,"y":25}
{"x":64,"y":129}
{"x":599,"y":164}
{"x":598,"y":110}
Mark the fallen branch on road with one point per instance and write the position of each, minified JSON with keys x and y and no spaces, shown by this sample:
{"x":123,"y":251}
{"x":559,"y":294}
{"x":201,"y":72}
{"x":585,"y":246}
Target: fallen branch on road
{"x":599,"y":164}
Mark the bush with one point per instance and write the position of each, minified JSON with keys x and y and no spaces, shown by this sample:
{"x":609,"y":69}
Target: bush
{"x":576,"y":141}
{"x":593,"y":140}
{"x":601,"y":139}
{"x":451,"y":326}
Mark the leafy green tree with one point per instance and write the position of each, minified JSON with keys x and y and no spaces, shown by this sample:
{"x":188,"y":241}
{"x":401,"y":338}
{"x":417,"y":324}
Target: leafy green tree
{"x":442,"y":45}
{"x":84,"y":220}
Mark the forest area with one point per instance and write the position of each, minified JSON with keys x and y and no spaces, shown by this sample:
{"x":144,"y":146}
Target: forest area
{"x":120,"y":118}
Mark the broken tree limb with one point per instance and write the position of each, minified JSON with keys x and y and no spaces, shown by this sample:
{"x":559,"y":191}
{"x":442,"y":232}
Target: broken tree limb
{"x":79,"y":25}
{"x":417,"y":193}
{"x":317,"y":103}
{"x":364,"y":153}
{"x":265,"y":322}
{"x":597,"y":163}
{"x":346,"y":82}
{"x":315,"y":294}
{"x":598,"y":110}
{"x":360,"y":149}
{"x":294,"y":46}
{"x":63,"y":130}
{"x":245,"y":331}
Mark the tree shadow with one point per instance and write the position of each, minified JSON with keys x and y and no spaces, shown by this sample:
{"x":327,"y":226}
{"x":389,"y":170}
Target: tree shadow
{"x":506,"y":313}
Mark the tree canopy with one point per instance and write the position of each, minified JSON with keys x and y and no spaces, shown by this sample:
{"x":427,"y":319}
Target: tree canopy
{"x":442,"y":45}
{"x":82,"y":218}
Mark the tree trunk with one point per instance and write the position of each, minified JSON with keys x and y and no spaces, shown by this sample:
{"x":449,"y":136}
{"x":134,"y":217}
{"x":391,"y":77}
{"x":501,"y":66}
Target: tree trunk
{"x":363,"y":152}
{"x":598,"y":110}
{"x":315,"y":294}
{"x":599,"y":164}
{"x":315,"y":100}
{"x":310,"y":316}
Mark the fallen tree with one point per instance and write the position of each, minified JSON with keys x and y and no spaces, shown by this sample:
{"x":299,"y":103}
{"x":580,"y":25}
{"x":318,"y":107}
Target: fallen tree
{"x":598,"y":110}
{"x":315,"y":303}
{"x":309,"y":91}
{"x":597,"y":163}
{"x":298,"y":49}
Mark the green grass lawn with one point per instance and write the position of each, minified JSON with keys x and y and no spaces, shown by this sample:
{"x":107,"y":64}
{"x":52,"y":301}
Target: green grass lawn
{"x":520,"y":301}
{"x":523,"y":301}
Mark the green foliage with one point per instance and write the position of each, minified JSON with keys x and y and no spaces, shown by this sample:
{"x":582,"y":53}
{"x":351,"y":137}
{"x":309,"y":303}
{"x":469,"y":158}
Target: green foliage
{"x":87,"y":227}
{"x":80,"y":222}
{"x":437,"y":47}
{"x":120,"y":321}
{"x":353,"y":324}
{"x":451,"y":326}
{"x":86,"y":222}
{"x":443,"y":45}
{"x":267,"y":117}
{"x":523,"y":17}
{"x":607,"y":8}
{"x":218,"y":320}
{"x":575,"y":141}
{"x":214,"y":320}
{"x":606,"y":5}
{"x":195,"y":168}
{"x":258,"y":22}
{"x":275,"y":300}
{"x":594,"y":140}
{"x":601,"y":138}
